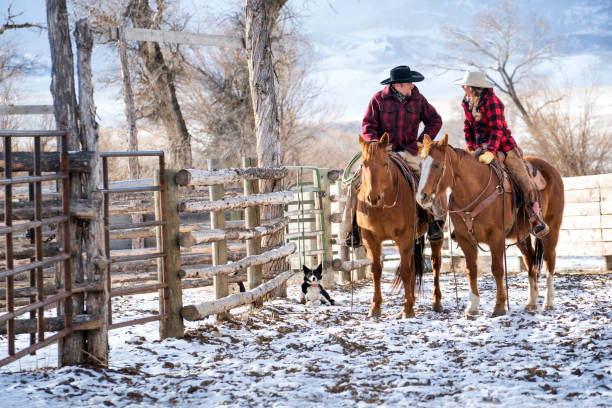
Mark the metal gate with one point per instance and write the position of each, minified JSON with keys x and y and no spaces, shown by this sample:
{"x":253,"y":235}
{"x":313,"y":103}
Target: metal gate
{"x":159,"y":223}
{"x":34,"y":222}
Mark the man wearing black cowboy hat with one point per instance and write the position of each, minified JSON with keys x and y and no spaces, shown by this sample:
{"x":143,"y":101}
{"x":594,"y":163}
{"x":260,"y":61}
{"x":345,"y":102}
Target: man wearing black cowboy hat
{"x":398,"y":110}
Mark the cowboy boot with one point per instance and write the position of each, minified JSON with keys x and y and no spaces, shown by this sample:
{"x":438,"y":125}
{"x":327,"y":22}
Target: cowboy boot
{"x":353,"y":239}
{"x":539,"y":228}
{"x":435,"y":230}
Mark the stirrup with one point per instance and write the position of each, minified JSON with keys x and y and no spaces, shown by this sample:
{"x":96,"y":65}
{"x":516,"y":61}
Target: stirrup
{"x":353,"y":239}
{"x":540,"y":230}
{"x":434,"y":230}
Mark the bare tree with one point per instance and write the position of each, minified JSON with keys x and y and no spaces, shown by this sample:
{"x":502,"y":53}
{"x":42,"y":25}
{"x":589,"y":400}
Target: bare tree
{"x":568,"y":134}
{"x":12,"y":64}
{"x":153,"y":67}
{"x":218,"y":101}
{"x":500,"y":41}
{"x":259,"y":17}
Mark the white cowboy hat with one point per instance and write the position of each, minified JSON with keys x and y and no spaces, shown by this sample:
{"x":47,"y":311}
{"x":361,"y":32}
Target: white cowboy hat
{"x":475,"y":78}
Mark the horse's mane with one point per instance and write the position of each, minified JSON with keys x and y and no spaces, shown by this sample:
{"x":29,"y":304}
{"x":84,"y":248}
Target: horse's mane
{"x":460,"y":152}
{"x":371,"y":146}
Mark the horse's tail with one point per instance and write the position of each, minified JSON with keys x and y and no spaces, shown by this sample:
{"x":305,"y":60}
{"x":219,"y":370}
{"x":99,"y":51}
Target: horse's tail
{"x":419,"y":267}
{"x":397,"y":281}
{"x":538,"y":256}
{"x":419,"y":263}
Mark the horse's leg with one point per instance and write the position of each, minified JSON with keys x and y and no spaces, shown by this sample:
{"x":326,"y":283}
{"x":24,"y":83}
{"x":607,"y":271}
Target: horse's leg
{"x":405,"y":245}
{"x":528,"y":257}
{"x":497,"y":268}
{"x":549,"y":245}
{"x":374,"y":251}
{"x":436,"y":264}
{"x":470,"y":251}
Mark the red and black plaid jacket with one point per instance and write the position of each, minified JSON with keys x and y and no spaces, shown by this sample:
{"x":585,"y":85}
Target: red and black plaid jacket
{"x":492,"y":128}
{"x":400,"y":119}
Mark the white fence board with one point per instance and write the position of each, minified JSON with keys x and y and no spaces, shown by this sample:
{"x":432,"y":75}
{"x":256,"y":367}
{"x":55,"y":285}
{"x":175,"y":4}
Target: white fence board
{"x":578,"y":235}
{"x":606,"y":207}
{"x":606,"y":235}
{"x":606,"y":194}
{"x":582,"y":196}
{"x":605,"y":180}
{"x":574,"y":209}
{"x":583,"y":248}
{"x":581,"y":183}
{"x":581,"y":222}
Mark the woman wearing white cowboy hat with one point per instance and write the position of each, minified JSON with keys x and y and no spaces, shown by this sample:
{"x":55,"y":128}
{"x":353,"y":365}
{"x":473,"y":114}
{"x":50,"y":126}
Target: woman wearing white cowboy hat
{"x":486,"y":132}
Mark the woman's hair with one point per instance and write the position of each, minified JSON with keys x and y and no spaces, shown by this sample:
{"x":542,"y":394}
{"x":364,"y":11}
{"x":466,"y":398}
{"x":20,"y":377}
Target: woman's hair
{"x":473,"y":100}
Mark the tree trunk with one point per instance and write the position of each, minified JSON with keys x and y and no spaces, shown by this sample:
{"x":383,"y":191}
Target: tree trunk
{"x":259,"y":16}
{"x":97,"y":268}
{"x":163,"y":85}
{"x":130,"y":114}
{"x":66,"y":118}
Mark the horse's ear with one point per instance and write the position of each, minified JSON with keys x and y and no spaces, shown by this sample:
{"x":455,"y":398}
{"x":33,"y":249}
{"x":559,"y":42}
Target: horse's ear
{"x":444,"y":141}
{"x":362,"y":141}
{"x":384,"y":140}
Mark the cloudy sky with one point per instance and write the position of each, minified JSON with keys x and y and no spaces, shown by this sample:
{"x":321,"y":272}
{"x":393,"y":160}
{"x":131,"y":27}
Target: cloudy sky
{"x":356,"y":42}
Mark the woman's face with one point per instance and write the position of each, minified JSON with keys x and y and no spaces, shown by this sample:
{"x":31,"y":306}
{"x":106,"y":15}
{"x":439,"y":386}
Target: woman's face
{"x":467,"y":90}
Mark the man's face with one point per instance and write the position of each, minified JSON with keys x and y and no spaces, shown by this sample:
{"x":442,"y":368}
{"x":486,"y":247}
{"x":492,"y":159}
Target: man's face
{"x":405,"y":88}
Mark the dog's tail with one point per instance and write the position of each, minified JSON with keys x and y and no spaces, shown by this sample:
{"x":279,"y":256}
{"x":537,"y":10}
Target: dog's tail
{"x":419,"y":267}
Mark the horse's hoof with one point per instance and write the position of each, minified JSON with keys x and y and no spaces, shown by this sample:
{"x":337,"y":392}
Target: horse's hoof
{"x":499,"y":312}
{"x":531,"y":307}
{"x":471,"y":313}
{"x":374,"y":314}
{"x":437,"y":308}
{"x":548,"y":307}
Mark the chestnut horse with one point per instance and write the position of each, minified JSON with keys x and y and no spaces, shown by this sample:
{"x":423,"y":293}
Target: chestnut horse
{"x":386,"y":210}
{"x":471,"y":183}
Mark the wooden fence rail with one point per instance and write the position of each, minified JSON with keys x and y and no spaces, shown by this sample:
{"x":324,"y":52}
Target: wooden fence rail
{"x":219,"y":234}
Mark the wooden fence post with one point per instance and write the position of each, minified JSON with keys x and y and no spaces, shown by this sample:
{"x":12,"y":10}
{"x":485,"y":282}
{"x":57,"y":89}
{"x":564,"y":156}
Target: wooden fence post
{"x":343,"y":249}
{"x":252,"y":217}
{"x":173,"y":325}
{"x":313,"y":226}
{"x":96,"y":265}
{"x":362,"y":272}
{"x":324,"y":240}
{"x":70,"y":349}
{"x":219,"y":249}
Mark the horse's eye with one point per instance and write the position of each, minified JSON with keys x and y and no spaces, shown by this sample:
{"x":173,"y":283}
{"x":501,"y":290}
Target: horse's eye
{"x":385,"y":164}
{"x":436,"y":166}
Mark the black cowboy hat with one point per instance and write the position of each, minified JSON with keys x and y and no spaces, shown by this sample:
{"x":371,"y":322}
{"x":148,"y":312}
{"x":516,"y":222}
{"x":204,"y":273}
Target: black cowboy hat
{"x":403,"y":73}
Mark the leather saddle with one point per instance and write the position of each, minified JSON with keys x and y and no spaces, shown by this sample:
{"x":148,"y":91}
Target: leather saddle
{"x":536,"y":176}
{"x":412,"y":178}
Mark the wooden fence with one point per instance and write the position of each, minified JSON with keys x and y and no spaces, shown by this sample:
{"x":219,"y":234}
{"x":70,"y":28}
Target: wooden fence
{"x":183,"y":241}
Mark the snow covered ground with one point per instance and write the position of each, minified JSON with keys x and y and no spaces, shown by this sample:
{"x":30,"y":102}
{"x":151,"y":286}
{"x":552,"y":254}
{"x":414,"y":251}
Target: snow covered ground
{"x":286,"y":356}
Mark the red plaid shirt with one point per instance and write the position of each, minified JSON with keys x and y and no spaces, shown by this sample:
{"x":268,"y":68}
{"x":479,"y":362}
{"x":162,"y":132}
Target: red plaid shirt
{"x":492,"y":128}
{"x":400,"y":119}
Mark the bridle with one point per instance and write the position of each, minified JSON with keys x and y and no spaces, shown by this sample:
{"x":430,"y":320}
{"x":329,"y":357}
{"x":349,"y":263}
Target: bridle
{"x":383,"y":192}
{"x":448,"y":207}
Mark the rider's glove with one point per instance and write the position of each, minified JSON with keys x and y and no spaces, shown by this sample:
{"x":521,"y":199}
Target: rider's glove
{"x":486,"y":157}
